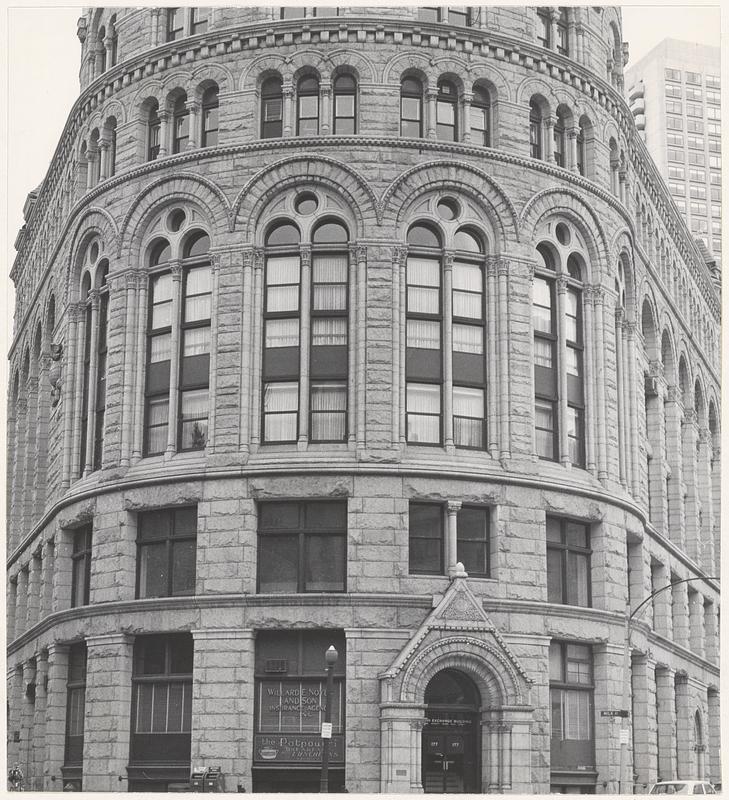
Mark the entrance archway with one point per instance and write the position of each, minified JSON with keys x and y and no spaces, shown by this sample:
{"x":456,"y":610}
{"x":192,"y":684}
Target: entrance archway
{"x":451,"y":735}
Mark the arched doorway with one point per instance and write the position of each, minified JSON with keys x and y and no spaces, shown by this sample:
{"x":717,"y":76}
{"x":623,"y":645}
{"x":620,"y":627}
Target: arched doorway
{"x":451,"y":746}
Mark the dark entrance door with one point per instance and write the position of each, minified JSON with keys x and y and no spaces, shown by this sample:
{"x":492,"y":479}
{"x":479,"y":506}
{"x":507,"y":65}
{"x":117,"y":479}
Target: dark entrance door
{"x":451,"y":746}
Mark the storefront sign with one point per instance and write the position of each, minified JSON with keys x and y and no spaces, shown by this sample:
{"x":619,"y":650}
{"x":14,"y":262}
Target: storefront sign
{"x":296,"y":706}
{"x":295,"y":749}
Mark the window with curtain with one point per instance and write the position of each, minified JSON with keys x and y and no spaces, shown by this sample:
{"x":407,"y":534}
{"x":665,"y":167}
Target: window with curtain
{"x":166,"y":552}
{"x":281,"y":353}
{"x":302,"y":546}
{"x":535,"y":130}
{"x":568,"y":562}
{"x":328,"y":369}
{"x":154,"y":127}
{"x":446,"y":112}
{"x":411,"y":108}
{"x":468,"y":362}
{"x":345,"y":108}
{"x":161,"y":719}
{"x":480,"y":117}
{"x":180,"y":124}
{"x":209,"y":132}
{"x":307,"y":106}
{"x":571,"y":690}
{"x":423,"y":335}
{"x":271,"y":108}
{"x":81,"y":566}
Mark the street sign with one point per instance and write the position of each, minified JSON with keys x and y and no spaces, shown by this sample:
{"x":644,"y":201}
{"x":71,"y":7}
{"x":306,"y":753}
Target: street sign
{"x":326,"y":730}
{"x":625,"y":736}
{"x":616,"y":713}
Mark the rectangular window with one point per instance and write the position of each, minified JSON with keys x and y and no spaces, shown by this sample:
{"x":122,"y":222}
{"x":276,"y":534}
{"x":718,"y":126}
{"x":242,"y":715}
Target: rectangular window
{"x":713,"y":82}
{"x":716,"y":211}
{"x":75,"y":705}
{"x":293,"y":12}
{"x":423,"y":413}
{"x":696,"y":142}
{"x":280,"y":412}
{"x":101,"y":358}
{"x":162,"y":699}
{"x":673,"y":91}
{"x":198,"y":20}
{"x":166,"y":552}
{"x":679,"y":173}
{"x":715,"y":162}
{"x":308,"y":115}
{"x":693,"y":94}
{"x":697,"y":192}
{"x":468,"y":417}
{"x":153,"y":137}
{"x":544,"y":22}
{"x":696,"y":158}
{"x":713,"y":97}
{"x":459,"y":15}
{"x":81,"y":566}
{"x":698,"y":208}
{"x":694,"y":110}
{"x":715,"y":194}
{"x":693,"y":78}
{"x":568,"y":562}
{"x":195,"y":358}
{"x":545,"y":429}
{"x":674,"y":107}
{"x":159,"y":329}
{"x":674,"y":139}
{"x":673,"y":74}
{"x":545,"y":368}
{"x":677,"y":189}
{"x":175,"y":23}
{"x":411,"y":114}
{"x":713,"y":114}
{"x":694,"y":126}
{"x":472,"y":525}
{"x":571,"y":695}
{"x":674,"y":124}
{"x":429,"y":14}
{"x":425,"y":534}
{"x":715,"y":178}
{"x":698,"y":175}
{"x":302,"y":546}
{"x":209,"y":126}
{"x":344,"y":114}
{"x":714,"y":129}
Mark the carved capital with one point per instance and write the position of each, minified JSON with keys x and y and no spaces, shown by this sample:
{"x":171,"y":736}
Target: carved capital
{"x":690,"y":417}
{"x":531,"y":268}
{"x":561,"y":283}
{"x":94,"y":298}
{"x":215,"y":262}
{"x":629,"y":328}
{"x":598,"y":294}
{"x":176,"y":271}
{"x":503,"y":265}
{"x":655,"y":369}
{"x":448,"y":258}
{"x":673,"y":394}
{"x":248,"y":254}
{"x":305,"y":253}
{"x":454,"y":506}
{"x":258,"y":257}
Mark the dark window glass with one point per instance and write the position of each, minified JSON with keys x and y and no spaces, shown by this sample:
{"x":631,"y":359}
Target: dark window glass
{"x":302,"y":546}
{"x":429,"y":14}
{"x":198,"y":20}
{"x":159,"y":341}
{"x":543,"y":27}
{"x":568,"y":562}
{"x":480,"y":117}
{"x":166,"y":552}
{"x":473,"y":540}
{"x":162,"y":699}
{"x":209,"y":137}
{"x":446,"y":112}
{"x":271,"y":108}
{"x":292,"y":12}
{"x":101,"y":354}
{"x":81,"y":566}
{"x":411,"y":108}
{"x":572,"y":711}
{"x":562,"y":33}
{"x":459,"y":15}
{"x":535,"y":130}
{"x":426,"y":538}
{"x":75,"y":705}
{"x":559,"y":142}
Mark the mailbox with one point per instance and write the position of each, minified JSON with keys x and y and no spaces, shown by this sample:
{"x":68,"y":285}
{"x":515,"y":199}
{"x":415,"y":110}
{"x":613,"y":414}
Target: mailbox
{"x":208,"y":779}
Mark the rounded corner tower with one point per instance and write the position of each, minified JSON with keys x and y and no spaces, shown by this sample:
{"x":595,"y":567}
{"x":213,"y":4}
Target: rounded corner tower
{"x":373,"y":328}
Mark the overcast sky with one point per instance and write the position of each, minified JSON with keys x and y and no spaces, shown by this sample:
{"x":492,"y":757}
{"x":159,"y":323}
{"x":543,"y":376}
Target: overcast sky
{"x":42,"y":82}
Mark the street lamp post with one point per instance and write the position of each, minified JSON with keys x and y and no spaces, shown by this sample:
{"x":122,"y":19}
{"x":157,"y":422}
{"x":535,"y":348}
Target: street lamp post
{"x":330,"y":657}
{"x":623,"y":778}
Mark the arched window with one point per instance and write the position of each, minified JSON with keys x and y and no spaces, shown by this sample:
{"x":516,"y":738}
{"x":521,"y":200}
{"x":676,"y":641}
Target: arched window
{"x":154,"y":128}
{"x":581,"y":151}
{"x":411,"y":108}
{"x":432,"y":321}
{"x":345,"y":107}
{"x":271,"y":108}
{"x":480,"y":117}
{"x":558,"y":352}
{"x":307,"y":116}
{"x":181,"y":124}
{"x":177,"y":385}
{"x":562,"y":32}
{"x":114,"y":40}
{"x":101,"y":48}
{"x":446,"y":112}
{"x":209,"y":133}
{"x":535,"y":129}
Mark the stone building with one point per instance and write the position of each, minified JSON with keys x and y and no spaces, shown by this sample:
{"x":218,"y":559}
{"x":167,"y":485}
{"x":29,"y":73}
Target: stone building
{"x":365,"y":327}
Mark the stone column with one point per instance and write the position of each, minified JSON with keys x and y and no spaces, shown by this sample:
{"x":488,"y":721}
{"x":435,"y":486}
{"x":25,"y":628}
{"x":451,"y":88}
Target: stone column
{"x":288,"y":95}
{"x":674,"y":412}
{"x":589,"y":379}
{"x":401,"y":731}
{"x":325,"y":93}
{"x":31,"y":453}
{"x":666,"y":716}
{"x":704,"y":491}
{"x":27,"y":710}
{"x":131,"y":321}
{"x":223,"y":701}
{"x":358,"y":396}
{"x":69,"y":391}
{"x":193,"y":108}
{"x":138,"y":403}
{"x":173,"y":412}
{"x":108,"y":707}
{"x":78,"y":459}
{"x":447,"y":345}
{"x":43,"y":414}
{"x":465,"y":110}
{"x":715,"y":478}
{"x":622,"y":380}
{"x":399,"y":340}
{"x":39,"y":723}
{"x":548,"y":140}
{"x":608,"y":672}
{"x":12,"y":599}
{"x":684,"y":728}
{"x":164,"y":132}
{"x":62,"y":571}
{"x":713,"y":736}
{"x":711,"y":632}
{"x":431,"y":97}
{"x":104,"y":153}
{"x":55,"y":729}
{"x":304,"y":346}
{"x":91,"y":156}
{"x":571,"y":134}
{"x":451,"y":549}
{"x":14,"y":700}
{"x":691,"y":502}
{"x":257,"y":323}
{"x":645,"y":742}
{"x":598,"y":296}
{"x":494,"y":348}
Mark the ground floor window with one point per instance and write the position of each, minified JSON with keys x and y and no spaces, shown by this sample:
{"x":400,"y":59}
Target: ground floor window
{"x":571,"y":695}
{"x":289,"y":708}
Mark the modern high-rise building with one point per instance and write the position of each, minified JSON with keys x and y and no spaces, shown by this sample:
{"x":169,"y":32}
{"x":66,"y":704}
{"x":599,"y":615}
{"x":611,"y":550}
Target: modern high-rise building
{"x":675,"y":95}
{"x":373,"y":329}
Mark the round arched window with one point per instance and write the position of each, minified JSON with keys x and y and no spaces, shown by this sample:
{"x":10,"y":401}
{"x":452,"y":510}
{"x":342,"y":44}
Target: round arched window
{"x":283,"y":233}
{"x":330,"y":233}
{"x":421,"y":235}
{"x":160,"y":252}
{"x":198,"y":244}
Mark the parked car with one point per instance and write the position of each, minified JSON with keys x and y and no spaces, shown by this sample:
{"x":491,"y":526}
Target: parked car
{"x":682,"y":787}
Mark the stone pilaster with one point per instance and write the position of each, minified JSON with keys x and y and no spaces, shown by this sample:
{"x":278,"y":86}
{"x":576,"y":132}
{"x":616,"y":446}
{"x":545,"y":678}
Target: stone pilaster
{"x":55,"y":729}
{"x":39,"y":722}
{"x":666,"y":716}
{"x":645,"y":742}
